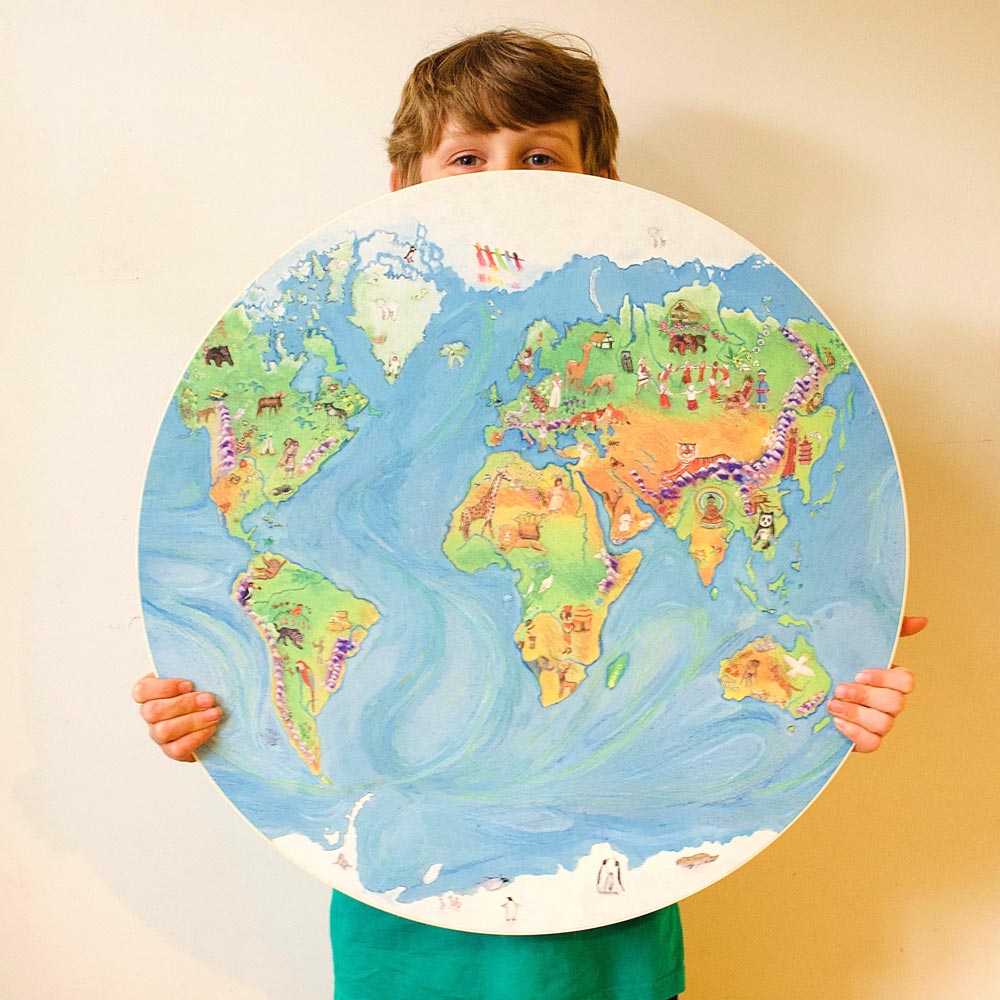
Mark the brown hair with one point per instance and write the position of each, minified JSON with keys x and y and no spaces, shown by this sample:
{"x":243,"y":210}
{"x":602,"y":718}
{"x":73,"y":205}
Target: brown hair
{"x":504,"y":79}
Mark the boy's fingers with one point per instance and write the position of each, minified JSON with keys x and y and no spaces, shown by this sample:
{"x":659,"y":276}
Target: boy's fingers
{"x":866,"y":710}
{"x":871,"y":720}
{"x":151,"y":687}
{"x":183,"y":749}
{"x":912,"y":625}
{"x":161,"y":709}
{"x":897,"y":679}
{"x":870,"y":709}
{"x":863,"y":740}
{"x":171,"y":731}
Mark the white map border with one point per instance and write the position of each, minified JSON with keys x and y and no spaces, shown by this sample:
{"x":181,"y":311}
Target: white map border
{"x":536,"y":905}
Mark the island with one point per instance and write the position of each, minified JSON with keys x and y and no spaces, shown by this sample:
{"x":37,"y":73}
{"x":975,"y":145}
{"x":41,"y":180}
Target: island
{"x":765,"y":671}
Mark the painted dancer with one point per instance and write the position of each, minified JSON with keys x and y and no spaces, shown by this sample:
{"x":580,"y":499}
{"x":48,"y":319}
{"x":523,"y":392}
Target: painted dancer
{"x":664,"y":386}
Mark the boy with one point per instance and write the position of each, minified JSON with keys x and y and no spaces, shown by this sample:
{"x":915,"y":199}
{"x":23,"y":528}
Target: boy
{"x":504,"y":100}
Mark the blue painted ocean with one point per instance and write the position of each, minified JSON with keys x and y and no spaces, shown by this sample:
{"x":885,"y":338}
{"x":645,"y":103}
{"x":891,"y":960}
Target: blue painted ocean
{"x":438,"y":716}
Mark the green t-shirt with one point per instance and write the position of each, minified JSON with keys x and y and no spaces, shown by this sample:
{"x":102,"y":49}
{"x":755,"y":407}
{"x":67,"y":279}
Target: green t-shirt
{"x":379,"y":956}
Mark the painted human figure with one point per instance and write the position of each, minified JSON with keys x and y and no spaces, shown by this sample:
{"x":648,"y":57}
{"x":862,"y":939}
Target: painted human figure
{"x":692,"y":397}
{"x":664,"y":380}
{"x":558,"y":496}
{"x":686,"y":374}
{"x":526,"y":361}
{"x":287,"y":460}
{"x":713,"y":388}
{"x":566,"y":620}
{"x":711,"y":515}
{"x":763,"y":390}
{"x":742,"y":395}
{"x":555,"y":396}
{"x":701,"y":371}
{"x":642,"y":376}
{"x":791,"y":450}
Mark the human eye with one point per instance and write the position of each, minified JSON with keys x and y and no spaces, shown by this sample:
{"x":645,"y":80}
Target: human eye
{"x":465,"y":160}
{"x":540,"y":160}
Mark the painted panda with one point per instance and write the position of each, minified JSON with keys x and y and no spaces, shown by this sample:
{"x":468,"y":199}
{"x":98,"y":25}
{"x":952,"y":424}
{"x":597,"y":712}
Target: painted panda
{"x":765,"y":529}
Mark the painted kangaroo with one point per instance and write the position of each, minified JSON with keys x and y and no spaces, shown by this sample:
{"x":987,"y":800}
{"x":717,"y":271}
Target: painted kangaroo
{"x":485,"y":507}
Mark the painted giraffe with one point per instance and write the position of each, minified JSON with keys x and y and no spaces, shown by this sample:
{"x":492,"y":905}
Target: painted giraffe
{"x":484,"y":508}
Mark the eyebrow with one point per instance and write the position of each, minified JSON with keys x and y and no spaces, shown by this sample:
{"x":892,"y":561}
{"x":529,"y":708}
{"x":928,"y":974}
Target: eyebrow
{"x":539,"y":132}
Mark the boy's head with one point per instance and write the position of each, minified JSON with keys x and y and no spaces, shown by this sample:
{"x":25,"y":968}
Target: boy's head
{"x":505,"y":80}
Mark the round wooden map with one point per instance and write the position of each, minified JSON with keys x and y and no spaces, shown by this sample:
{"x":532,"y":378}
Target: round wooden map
{"x":523,"y":523}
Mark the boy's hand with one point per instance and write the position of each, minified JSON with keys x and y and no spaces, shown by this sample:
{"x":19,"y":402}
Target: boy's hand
{"x":180,"y":719}
{"x":866,"y":710}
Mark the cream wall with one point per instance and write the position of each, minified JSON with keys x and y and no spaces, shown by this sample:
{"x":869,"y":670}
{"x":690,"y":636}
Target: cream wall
{"x":158,"y":155}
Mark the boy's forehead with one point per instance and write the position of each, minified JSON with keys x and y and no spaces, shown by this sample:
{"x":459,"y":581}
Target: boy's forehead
{"x":567,"y":131}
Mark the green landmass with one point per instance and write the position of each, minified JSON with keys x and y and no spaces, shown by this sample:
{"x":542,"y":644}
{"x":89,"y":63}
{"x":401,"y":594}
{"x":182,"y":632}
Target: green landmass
{"x":266,"y":438}
{"x":542,"y":525}
{"x":310,"y":628}
{"x":788,"y":621}
{"x":828,"y":496}
{"x":581,"y":393}
{"x":616,"y":668}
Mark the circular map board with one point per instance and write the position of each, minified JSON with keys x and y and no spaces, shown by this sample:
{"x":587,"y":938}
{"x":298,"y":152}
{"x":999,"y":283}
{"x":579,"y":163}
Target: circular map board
{"x":523,"y":524}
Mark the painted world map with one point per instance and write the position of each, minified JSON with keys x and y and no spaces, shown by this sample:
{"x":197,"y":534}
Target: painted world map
{"x":523,"y":526}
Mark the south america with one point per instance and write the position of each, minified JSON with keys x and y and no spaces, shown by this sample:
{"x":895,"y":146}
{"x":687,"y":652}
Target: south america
{"x":310,"y":628}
